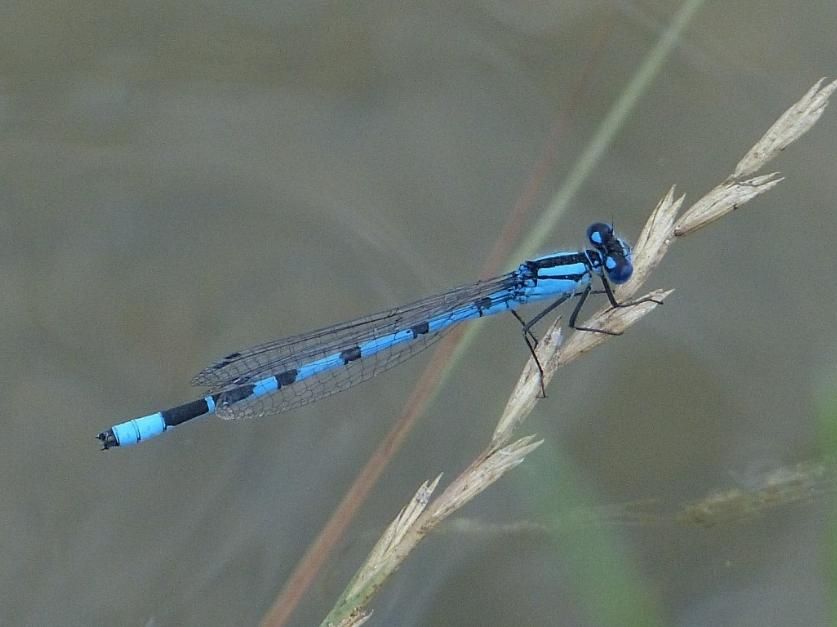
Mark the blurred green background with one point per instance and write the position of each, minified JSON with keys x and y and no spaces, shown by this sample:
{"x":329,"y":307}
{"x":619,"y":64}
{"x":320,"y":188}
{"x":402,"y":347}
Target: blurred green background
{"x":179,"y":180}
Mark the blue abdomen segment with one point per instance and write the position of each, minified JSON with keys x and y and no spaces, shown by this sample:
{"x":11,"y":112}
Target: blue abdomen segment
{"x":136,"y":430}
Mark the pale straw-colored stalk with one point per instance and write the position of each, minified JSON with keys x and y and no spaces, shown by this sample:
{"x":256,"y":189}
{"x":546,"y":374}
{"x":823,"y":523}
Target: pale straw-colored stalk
{"x":423,"y":513}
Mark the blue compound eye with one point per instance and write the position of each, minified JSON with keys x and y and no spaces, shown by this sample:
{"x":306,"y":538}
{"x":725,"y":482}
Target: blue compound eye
{"x":599,"y":233}
{"x":619,"y":269}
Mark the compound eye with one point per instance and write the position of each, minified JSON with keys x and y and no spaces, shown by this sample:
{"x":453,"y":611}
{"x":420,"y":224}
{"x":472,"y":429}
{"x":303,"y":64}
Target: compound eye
{"x":599,"y":233}
{"x":619,"y":269}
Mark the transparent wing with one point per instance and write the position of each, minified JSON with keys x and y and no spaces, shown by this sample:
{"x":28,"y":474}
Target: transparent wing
{"x":262,"y":361}
{"x":325,"y":383}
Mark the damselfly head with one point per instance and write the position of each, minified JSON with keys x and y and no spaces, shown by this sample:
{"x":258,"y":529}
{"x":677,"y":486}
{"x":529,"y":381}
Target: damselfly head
{"x":615,"y":252}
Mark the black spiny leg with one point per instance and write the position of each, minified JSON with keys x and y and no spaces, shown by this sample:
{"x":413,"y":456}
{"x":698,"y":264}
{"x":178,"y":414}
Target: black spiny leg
{"x":630,"y":303}
{"x":530,"y":338}
{"x":574,"y":316}
{"x":531,"y":344}
{"x":613,"y":303}
{"x":527,"y":332}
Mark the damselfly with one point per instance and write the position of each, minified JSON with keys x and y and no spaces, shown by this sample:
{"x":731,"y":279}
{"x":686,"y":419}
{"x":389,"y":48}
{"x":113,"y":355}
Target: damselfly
{"x":288,"y":373}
